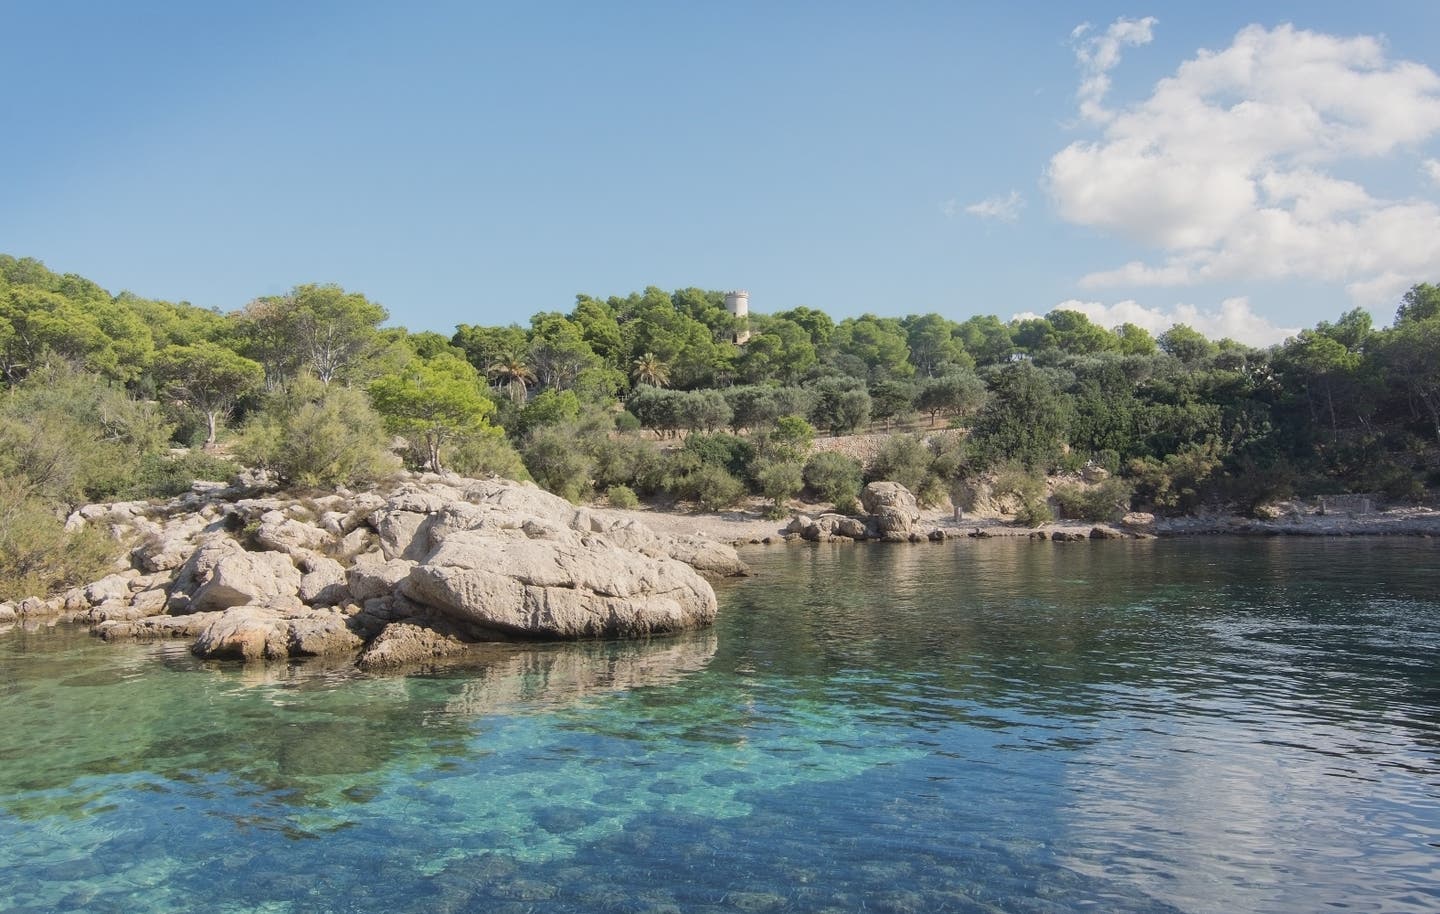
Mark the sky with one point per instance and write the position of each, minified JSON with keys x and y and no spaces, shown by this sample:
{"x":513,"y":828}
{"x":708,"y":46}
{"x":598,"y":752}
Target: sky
{"x":1247,"y":168}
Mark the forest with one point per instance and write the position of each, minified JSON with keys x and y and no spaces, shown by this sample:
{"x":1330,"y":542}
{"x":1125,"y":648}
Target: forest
{"x":645,"y":396}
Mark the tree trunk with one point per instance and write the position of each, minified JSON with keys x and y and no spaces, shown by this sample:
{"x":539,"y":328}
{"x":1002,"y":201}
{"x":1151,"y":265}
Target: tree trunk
{"x":212,"y":421}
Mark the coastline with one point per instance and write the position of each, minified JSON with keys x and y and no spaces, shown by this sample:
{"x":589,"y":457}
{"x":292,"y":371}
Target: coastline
{"x":748,"y":526}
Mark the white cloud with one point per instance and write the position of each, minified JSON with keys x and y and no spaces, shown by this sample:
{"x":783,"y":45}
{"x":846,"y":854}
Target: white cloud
{"x":1222,"y":168}
{"x":1098,"y":54}
{"x":1006,"y":208}
{"x":1431,"y":168}
{"x":1234,"y":318}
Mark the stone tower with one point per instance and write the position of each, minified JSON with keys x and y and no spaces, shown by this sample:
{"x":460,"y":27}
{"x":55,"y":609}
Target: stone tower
{"x":738,"y":304}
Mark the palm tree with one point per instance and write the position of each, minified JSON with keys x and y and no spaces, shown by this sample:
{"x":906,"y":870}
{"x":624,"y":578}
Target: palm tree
{"x":649,"y":369}
{"x":510,"y":370}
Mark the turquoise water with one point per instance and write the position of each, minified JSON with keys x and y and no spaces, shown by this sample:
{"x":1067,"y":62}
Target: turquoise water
{"x":1208,"y":726}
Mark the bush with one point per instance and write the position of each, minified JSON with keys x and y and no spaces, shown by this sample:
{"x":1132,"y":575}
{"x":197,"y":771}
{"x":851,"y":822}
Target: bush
{"x":68,"y":437}
{"x":622,"y":497}
{"x":904,"y":459}
{"x":789,"y":439}
{"x":557,"y":464}
{"x":835,"y":478}
{"x":1029,"y":490}
{"x":1103,"y":502}
{"x":37,"y":557}
{"x":311,"y":434}
{"x":487,"y":454}
{"x":779,"y":481}
{"x":713,"y":487}
{"x":626,"y":460}
{"x":732,"y":453}
{"x":164,"y":476}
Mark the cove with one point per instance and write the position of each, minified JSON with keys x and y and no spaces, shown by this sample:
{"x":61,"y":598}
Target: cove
{"x":1206,"y":725}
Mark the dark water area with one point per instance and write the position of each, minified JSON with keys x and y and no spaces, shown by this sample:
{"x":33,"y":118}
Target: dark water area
{"x":1200,"y":725}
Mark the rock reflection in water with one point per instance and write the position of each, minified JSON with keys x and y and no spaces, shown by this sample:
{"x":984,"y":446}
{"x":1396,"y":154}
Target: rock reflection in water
{"x":507,"y":679}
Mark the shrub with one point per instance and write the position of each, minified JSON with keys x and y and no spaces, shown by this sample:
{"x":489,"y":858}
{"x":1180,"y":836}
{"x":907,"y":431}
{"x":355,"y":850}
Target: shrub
{"x":835,"y":478}
{"x":904,"y":459}
{"x":623,"y":460}
{"x":713,"y":487}
{"x":730,"y":452}
{"x":312,"y":434}
{"x":621,"y":497}
{"x":487,"y":454}
{"x":164,"y":476}
{"x":37,"y":556}
{"x":1029,"y":490}
{"x":1101,"y":502}
{"x":779,"y":481}
{"x":557,"y":464}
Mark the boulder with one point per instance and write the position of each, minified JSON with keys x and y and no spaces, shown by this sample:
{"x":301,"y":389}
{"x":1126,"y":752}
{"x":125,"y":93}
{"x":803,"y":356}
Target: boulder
{"x":353,"y":543}
{"x":1105,"y":533}
{"x":411,"y":642}
{"x":564,"y":587}
{"x":1140,"y":521}
{"x":292,"y":537}
{"x":239,"y":578}
{"x":372,"y":576}
{"x":404,"y":534}
{"x":891,"y":506}
{"x":156,"y":628}
{"x":268,"y":633}
{"x":707,"y":556}
{"x":7,"y":612}
{"x":828,"y":527}
{"x":324,"y":581}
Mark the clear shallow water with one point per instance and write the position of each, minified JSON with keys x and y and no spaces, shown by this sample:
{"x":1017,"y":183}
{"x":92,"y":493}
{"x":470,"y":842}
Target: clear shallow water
{"x":1208,"y":726}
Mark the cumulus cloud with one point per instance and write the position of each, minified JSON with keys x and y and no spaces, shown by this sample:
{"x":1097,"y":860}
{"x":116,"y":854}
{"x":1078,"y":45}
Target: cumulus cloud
{"x":1234,"y":318}
{"x":1098,"y":54}
{"x":1225,"y":166}
{"x":1006,"y":207}
{"x":1431,"y":168}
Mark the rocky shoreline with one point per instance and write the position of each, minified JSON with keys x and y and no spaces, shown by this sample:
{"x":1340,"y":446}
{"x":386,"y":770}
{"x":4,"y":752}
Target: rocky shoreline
{"x":428,"y":567}
{"x":431,"y":567}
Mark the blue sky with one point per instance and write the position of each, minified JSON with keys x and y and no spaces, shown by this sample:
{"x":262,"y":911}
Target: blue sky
{"x":467,"y":162}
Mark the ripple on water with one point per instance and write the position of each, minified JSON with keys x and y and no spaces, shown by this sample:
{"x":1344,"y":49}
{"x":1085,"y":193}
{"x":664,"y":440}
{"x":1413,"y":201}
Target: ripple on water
{"x":1148,"y":727}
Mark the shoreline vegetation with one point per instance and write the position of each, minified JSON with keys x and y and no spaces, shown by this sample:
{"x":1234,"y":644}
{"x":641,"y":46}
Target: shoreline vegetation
{"x":680,"y":411}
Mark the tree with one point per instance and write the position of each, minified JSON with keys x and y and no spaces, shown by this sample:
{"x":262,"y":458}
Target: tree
{"x":1412,"y":358}
{"x":484,"y":346}
{"x":1421,"y":303}
{"x":1026,"y":418}
{"x":987,"y":339}
{"x":433,"y":403}
{"x":878,"y":342}
{"x":840,"y":406}
{"x":317,"y":328}
{"x":207,"y":378}
{"x":890,"y":398}
{"x":933,"y":344}
{"x":957,"y":392}
{"x":558,"y":351}
{"x":1187,"y":344}
{"x":650,"y":369}
{"x":1133,"y":340}
{"x":510,"y":370}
